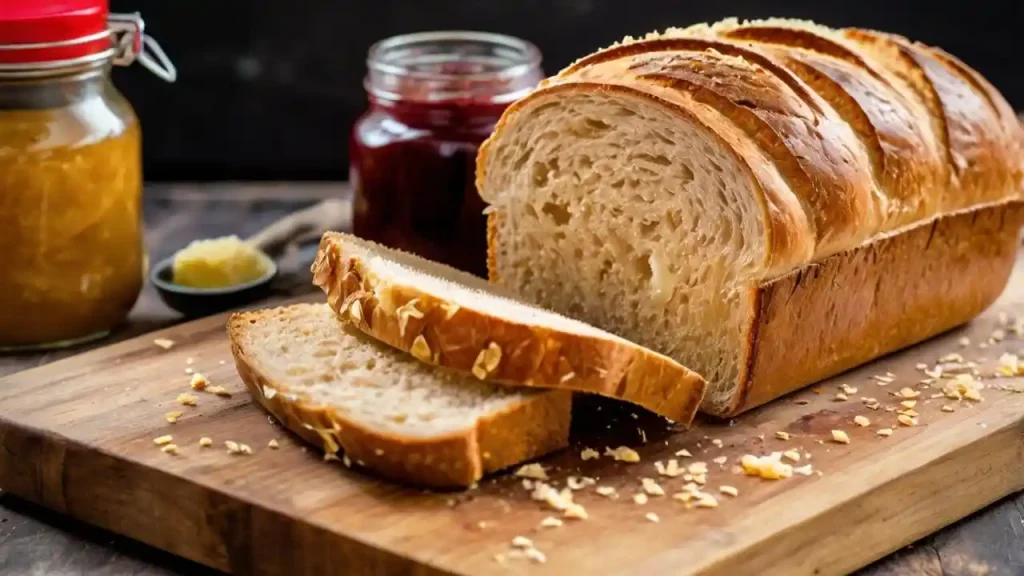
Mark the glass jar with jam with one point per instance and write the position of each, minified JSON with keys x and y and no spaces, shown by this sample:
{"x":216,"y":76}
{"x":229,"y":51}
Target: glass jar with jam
{"x":434,"y":97}
{"x":72,"y":261}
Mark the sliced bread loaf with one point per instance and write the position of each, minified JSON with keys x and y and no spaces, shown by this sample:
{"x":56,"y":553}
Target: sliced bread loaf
{"x":447,"y":317}
{"x":344,"y":391}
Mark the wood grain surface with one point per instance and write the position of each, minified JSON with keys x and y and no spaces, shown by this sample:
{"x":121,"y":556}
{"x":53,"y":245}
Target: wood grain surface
{"x":77,"y":437}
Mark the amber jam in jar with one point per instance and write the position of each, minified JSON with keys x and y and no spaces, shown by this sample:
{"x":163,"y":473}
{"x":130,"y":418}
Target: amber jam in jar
{"x":71,"y":256}
{"x":434,"y":97}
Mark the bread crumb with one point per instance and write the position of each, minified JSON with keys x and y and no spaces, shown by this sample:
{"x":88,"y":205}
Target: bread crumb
{"x":804,"y":470}
{"x":534,"y":471}
{"x":729,"y":490}
{"x":522,"y":542}
{"x":907,"y":420}
{"x":965,"y":341}
{"x":884,"y":380}
{"x":576,"y":512}
{"x":623,"y":454}
{"x":189,"y":371}
{"x":840,"y":437}
{"x":847,"y":389}
{"x":164,"y":343}
{"x":793,"y":455}
{"x":219,"y":391}
{"x":947,"y":408}
{"x":908,"y":412}
{"x":198,"y":381}
{"x":579,"y":482}
{"x":684,"y":453}
{"x":535,"y":555}
{"x":233,"y":447}
{"x":640,"y":498}
{"x":884,"y":432}
{"x":782,"y":435}
{"x":550,"y":522}
{"x":921,"y":366}
{"x":187,"y":399}
{"x":840,"y":397}
{"x":707,"y":501}
{"x":172,"y":417}
{"x":162,"y":440}
{"x":589,"y":454}
{"x":169,"y":449}
{"x":651,"y":488}
{"x":908,"y":403}
{"x":720,"y":460}
{"x":671,"y":470}
{"x":766,"y":467}
{"x":273,"y":445}
{"x":717,"y":443}
{"x":605,"y":491}
{"x":652,"y":517}
{"x":205,"y":442}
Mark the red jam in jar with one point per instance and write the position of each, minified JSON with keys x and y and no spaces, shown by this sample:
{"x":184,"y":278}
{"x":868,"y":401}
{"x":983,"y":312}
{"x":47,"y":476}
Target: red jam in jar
{"x":434,"y":97}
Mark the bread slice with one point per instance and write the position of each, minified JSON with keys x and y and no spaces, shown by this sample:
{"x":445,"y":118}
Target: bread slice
{"x":344,"y":391}
{"x":447,"y":317}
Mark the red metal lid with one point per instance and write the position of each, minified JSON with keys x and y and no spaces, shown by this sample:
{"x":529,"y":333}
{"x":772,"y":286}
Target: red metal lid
{"x":47,"y":31}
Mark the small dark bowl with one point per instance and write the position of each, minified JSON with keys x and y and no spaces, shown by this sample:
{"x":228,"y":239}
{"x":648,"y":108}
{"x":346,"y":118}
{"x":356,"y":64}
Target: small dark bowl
{"x":196,"y":302}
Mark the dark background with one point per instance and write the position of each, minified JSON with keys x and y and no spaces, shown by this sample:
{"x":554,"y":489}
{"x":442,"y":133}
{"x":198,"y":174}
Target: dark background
{"x":268,"y":89}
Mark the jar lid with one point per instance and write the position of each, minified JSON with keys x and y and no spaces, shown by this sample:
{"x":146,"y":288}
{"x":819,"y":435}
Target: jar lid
{"x":49,"y":34}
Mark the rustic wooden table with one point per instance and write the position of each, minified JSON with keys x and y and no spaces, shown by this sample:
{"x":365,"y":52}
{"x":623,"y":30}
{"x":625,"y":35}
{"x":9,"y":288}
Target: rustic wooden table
{"x":36,"y":541}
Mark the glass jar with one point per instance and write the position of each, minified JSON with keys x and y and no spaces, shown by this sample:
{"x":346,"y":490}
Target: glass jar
{"x":434,"y":97}
{"x":70,"y":172}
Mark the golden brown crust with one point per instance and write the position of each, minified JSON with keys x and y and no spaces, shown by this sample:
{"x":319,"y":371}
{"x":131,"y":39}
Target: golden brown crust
{"x":475,"y":341}
{"x":858,"y":305}
{"x":534,"y":427}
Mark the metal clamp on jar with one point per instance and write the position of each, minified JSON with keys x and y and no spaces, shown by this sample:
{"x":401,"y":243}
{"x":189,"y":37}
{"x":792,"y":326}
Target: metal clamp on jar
{"x":72,"y":262}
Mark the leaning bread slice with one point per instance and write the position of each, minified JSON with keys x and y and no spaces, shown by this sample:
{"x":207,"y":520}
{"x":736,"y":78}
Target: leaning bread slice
{"x":344,"y":391}
{"x":447,"y":317}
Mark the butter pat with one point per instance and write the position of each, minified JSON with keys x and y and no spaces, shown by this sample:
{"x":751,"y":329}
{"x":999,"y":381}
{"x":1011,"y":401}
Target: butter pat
{"x":219,"y":263}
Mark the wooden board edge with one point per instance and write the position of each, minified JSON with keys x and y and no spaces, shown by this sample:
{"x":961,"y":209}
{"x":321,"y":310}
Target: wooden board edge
{"x":873,"y":524}
{"x":205,"y":525}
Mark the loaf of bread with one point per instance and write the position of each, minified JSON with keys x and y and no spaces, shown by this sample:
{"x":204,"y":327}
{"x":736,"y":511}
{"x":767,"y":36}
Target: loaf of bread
{"x":769,"y":203}
{"x":452,"y":319}
{"x":371,"y":405}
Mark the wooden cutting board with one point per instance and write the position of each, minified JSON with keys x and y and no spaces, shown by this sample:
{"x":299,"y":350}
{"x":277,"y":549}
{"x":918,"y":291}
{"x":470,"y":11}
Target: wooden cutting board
{"x":77,"y":436}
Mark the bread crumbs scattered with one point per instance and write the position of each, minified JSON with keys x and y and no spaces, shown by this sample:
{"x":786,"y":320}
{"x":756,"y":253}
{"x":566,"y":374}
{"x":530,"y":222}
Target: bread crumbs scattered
{"x":198,"y":381}
{"x":550,"y":522}
{"x":861,"y":421}
{"x":793,"y":455}
{"x":909,"y":393}
{"x":160,"y":441}
{"x":534,"y":471}
{"x":623,"y":454}
{"x":651,"y":488}
{"x":729,"y":491}
{"x":233,"y":447}
{"x":684,"y":453}
{"x":718,"y":443}
{"x":947,"y":408}
{"x":273,"y":445}
{"x":671,"y":470}
{"x":172,"y":417}
{"x":840,"y":437}
{"x":219,"y":391}
{"x":767,"y":467}
{"x":640,"y":498}
{"x":164,"y":343}
{"x":652,"y":517}
{"x":885,"y":432}
{"x":605,"y":491}
{"x":782,"y":435}
{"x":589,"y":454}
{"x":205,"y":442}
{"x":720,"y":460}
{"x":963,"y":386}
{"x":579,"y":482}
{"x":170,"y":449}
{"x":187,"y":399}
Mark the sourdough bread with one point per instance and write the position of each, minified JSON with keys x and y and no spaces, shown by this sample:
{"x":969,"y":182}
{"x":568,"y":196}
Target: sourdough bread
{"x":449,"y":318}
{"x":768,"y":203}
{"x":345,"y":392}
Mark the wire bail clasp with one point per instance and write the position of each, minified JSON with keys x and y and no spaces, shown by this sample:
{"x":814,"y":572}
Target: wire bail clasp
{"x":131,"y":44}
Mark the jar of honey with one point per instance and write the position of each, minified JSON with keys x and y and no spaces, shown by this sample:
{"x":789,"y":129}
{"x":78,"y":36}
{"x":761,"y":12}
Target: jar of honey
{"x":72,"y":261}
{"x":434,"y":97}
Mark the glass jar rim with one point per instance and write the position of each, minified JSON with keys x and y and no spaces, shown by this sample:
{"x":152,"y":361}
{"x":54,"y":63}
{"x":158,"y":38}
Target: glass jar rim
{"x":509,"y":67}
